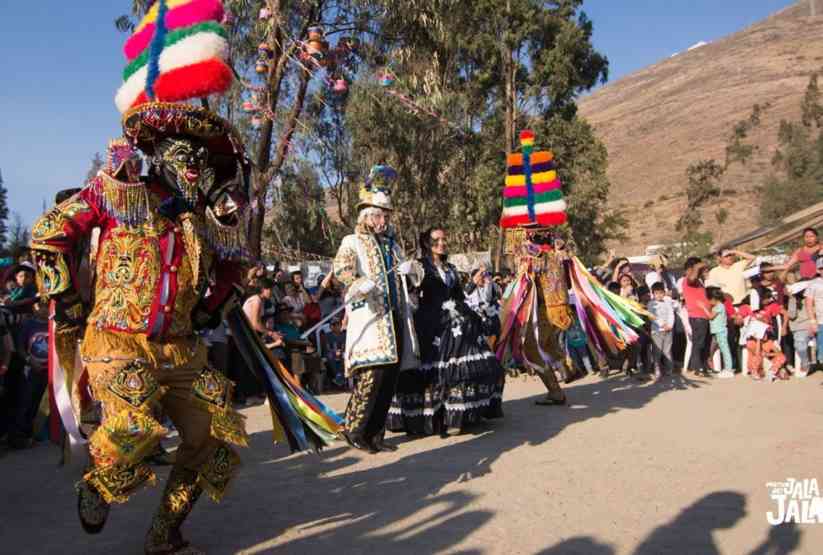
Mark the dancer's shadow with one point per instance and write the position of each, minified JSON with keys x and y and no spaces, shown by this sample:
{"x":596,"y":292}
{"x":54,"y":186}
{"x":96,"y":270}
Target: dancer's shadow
{"x":691,"y":531}
{"x":408,"y":505}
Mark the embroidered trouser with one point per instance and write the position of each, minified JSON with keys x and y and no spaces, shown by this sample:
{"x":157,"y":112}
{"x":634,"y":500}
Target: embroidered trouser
{"x":370,"y":400}
{"x":132,"y":377}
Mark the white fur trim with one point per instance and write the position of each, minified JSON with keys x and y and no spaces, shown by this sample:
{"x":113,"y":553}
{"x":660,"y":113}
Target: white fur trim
{"x":191,"y":50}
{"x":553,"y":206}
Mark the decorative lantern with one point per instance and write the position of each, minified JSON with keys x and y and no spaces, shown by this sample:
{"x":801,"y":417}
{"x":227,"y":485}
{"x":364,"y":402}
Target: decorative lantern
{"x":249,"y":106}
{"x":264,"y":51}
{"x":340,"y":87}
{"x":261,"y":67}
{"x":315,"y":33}
{"x":386,"y":78}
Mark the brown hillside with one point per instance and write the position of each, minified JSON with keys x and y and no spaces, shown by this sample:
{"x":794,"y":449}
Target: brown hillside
{"x":658,"y":120}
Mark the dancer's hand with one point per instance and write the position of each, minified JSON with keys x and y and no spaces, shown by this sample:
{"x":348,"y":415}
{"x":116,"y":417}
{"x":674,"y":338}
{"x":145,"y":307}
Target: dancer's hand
{"x":365,"y":287}
{"x":405,"y":268}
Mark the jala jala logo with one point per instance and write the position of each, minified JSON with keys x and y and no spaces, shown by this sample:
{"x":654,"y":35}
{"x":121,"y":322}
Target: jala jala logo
{"x":797,"y":501}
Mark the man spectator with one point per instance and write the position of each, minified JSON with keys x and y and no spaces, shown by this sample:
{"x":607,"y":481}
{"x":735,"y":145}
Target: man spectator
{"x":728,"y":274}
{"x":814,"y":308}
{"x":699,"y":312}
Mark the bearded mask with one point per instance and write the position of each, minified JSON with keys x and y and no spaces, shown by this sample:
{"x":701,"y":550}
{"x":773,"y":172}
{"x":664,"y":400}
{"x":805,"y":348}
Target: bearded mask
{"x":183,"y":166}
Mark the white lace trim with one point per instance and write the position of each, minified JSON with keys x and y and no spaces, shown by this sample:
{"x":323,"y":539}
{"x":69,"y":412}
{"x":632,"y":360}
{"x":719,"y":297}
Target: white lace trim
{"x":460,"y":360}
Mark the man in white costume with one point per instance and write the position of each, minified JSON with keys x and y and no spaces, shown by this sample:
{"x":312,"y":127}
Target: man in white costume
{"x":380,"y":337}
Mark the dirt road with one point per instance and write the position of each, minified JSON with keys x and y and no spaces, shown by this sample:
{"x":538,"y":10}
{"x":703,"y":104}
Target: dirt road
{"x":679,"y":466}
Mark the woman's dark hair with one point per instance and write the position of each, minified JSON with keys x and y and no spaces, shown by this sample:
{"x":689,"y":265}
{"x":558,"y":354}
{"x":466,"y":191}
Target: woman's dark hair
{"x":425,"y":241}
{"x":810,"y":230}
{"x":264,"y":283}
{"x":631,"y":278}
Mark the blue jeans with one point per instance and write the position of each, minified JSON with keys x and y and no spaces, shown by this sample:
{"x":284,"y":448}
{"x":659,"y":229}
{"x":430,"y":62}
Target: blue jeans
{"x":819,"y":343}
{"x":801,"y":347}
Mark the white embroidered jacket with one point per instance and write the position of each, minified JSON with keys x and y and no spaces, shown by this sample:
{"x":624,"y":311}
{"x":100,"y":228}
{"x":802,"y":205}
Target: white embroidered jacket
{"x":370,"y":337}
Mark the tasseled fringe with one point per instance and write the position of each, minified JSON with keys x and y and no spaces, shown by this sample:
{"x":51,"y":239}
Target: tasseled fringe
{"x":229,"y":241}
{"x":99,"y":345}
{"x":128,"y":203}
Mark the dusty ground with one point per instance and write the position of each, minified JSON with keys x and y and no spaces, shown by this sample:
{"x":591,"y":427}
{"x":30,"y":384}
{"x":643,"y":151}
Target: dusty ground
{"x":675,"y":467}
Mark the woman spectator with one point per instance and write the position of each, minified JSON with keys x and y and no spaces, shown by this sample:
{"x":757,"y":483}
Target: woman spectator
{"x":699,"y":312}
{"x":296,"y":303}
{"x":805,"y":256}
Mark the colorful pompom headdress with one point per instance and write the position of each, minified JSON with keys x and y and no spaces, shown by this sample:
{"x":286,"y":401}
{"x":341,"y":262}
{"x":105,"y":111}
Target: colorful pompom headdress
{"x":377,"y":189}
{"x":178,"y":51}
{"x":532,"y":196}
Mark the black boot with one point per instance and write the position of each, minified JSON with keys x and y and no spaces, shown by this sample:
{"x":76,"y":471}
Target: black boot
{"x":181,"y":493}
{"x":92,"y":509}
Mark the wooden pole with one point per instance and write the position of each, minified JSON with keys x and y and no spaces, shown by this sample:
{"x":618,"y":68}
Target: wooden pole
{"x":813,"y":7}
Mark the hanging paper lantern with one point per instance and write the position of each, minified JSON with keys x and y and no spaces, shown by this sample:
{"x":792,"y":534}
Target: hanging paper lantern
{"x":249,"y":106}
{"x":261,"y":67}
{"x":265,"y":13}
{"x":339,"y":87}
{"x":264,"y":51}
{"x":386,"y":78}
{"x":315,"y":33}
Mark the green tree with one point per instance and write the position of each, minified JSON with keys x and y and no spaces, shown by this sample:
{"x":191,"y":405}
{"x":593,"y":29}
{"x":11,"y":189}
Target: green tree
{"x":96,"y":165}
{"x":470,"y":75}
{"x":18,"y":236}
{"x":796,"y":180}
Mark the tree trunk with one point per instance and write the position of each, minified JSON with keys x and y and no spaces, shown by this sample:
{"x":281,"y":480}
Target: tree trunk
{"x":266,"y":170}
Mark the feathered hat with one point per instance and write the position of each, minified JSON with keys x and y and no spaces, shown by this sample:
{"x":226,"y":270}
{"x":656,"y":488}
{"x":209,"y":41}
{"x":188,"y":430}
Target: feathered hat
{"x":532,"y":196}
{"x":376,"y":191}
{"x":119,"y":152}
{"x":178,"y":52}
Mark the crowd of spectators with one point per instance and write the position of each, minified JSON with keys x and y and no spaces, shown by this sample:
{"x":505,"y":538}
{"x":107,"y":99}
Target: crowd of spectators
{"x":23,"y":352}
{"x":740,"y":314}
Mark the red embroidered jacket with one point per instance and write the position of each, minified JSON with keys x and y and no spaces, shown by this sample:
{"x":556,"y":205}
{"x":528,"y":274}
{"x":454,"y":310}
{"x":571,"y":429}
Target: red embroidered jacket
{"x":150,"y":272}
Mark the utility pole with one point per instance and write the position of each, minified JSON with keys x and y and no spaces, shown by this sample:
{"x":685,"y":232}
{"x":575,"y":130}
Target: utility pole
{"x":812,"y":8}
{"x":510,"y":97}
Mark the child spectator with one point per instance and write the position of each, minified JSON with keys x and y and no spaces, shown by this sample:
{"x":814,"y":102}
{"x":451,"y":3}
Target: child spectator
{"x":334,"y":347}
{"x":718,"y":327}
{"x":764,"y":347}
{"x":662,"y":308}
{"x":577,"y":347}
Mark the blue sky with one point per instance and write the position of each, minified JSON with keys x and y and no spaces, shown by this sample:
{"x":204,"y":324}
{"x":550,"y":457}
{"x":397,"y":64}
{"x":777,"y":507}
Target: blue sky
{"x":61,"y":64}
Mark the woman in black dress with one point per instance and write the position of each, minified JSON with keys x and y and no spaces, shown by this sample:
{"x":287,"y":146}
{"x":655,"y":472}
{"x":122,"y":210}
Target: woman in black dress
{"x":459,"y":381}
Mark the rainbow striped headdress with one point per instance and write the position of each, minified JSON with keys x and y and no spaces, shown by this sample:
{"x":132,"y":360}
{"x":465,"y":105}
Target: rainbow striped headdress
{"x":532,"y":195}
{"x":178,"y":51}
